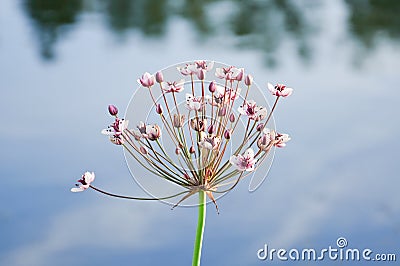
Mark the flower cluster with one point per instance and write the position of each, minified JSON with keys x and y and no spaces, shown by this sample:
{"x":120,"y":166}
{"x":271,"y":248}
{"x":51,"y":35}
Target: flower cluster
{"x":201,"y":131}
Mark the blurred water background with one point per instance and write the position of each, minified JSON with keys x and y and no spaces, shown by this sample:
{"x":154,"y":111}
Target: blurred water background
{"x":62,"y":62}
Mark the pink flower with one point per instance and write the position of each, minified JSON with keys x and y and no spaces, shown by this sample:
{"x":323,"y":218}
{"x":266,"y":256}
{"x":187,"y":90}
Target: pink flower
{"x":210,"y":142}
{"x":207,"y":66}
{"x":188,"y":69}
{"x":230,"y":73}
{"x":223,"y":95}
{"x":176,"y":86}
{"x":199,"y":68}
{"x":281,"y":139}
{"x":153,"y":132}
{"x":193,"y":103}
{"x":115,"y":131}
{"x":85,"y":181}
{"x":244,"y":162}
{"x":253,"y":111}
{"x":280,"y":90}
{"x":147,"y":80}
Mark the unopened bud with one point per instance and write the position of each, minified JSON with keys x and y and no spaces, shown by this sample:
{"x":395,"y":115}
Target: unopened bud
{"x":222,"y":111}
{"x":159,"y":109}
{"x":143,"y":150}
{"x":186,"y":176}
{"x":232,"y":117}
{"x":239,"y":77}
{"x":227,"y":134}
{"x":212,"y":87}
{"x":260,"y":127}
{"x":211,"y":129}
{"x":192,"y":150}
{"x":177,"y":151}
{"x":159,"y":77}
{"x":113,"y":110}
{"x":248,"y":80}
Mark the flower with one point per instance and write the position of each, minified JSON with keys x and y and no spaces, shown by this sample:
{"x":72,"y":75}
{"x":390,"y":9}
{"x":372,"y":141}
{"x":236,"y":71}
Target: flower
{"x":176,"y":86}
{"x":147,"y":80}
{"x":210,"y":142}
{"x":223,"y":95}
{"x":193,"y":103}
{"x":244,"y":162}
{"x":230,"y":73}
{"x":188,"y":69}
{"x":204,"y":65}
{"x":280,"y":90}
{"x":252,"y":110}
{"x":85,"y":181}
{"x":281,"y":139}
{"x":153,"y":132}
{"x":115,"y":131}
{"x":198,"y":67}
{"x":198,"y":124}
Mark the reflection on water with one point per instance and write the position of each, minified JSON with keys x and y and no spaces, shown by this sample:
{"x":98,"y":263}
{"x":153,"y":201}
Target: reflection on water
{"x":373,"y":18}
{"x":256,"y":24}
{"x":52,"y":19}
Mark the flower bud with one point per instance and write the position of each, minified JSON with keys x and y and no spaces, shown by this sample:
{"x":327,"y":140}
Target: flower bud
{"x":260,"y":127}
{"x":232,"y":117}
{"x":248,"y":80}
{"x":212,"y":87}
{"x":177,"y":151}
{"x":201,"y":74}
{"x":159,"y":109}
{"x":113,"y":110}
{"x":227,"y":134}
{"x":159,"y":77}
{"x":222,"y":111}
{"x":263,"y":142}
{"x":211,"y":129}
{"x":192,"y":150}
{"x":143,"y":150}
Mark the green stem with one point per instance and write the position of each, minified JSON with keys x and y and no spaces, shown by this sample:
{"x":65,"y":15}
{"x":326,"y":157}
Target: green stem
{"x":200,"y":229}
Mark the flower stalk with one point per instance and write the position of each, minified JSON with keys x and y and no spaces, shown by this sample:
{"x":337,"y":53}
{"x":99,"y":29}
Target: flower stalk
{"x":201,"y":222}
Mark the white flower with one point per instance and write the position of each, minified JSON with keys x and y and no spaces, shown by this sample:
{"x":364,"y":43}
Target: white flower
{"x":85,"y":181}
{"x":209,"y":142}
{"x":252,"y":110}
{"x":147,"y":80}
{"x":193,"y":103}
{"x":280,"y":90}
{"x":176,"y":86}
{"x":230,"y":73}
{"x":244,"y":162}
{"x":281,"y":139}
{"x":115,"y":131}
